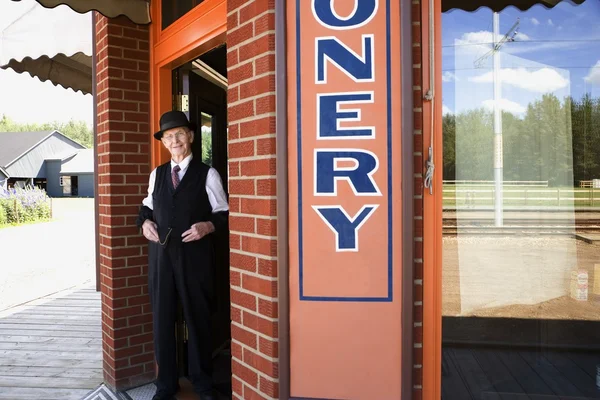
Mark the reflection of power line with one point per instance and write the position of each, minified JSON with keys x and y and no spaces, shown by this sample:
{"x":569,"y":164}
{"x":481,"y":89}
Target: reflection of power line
{"x":528,"y":68}
{"x":526,"y":42}
{"x":508,"y":37}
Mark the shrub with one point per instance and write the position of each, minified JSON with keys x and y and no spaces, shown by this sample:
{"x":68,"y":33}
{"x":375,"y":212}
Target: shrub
{"x":3,"y":217}
{"x":24,"y":205}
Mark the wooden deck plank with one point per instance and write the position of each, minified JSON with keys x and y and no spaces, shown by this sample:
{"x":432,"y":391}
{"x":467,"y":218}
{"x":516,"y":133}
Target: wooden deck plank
{"x":15,"y":393}
{"x":51,"y":372}
{"x":60,"y":310}
{"x":52,"y":306}
{"x":24,"y":326}
{"x":529,"y":380}
{"x":49,"y":318}
{"x":551,"y":376}
{"x":586,"y":361}
{"x":499,"y":376}
{"x":477,"y":382}
{"x":50,"y":340}
{"x":57,"y":355}
{"x":67,"y":302}
{"x":44,"y":318}
{"x":75,"y":295}
{"x":51,"y":383}
{"x":49,"y":362}
{"x":51,"y":309}
{"x":92,"y":334}
{"x":453,"y":385}
{"x":44,"y":346}
{"x":574,"y":374}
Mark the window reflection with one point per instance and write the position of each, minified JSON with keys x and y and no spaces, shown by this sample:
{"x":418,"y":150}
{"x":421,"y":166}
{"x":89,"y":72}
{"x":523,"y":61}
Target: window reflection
{"x":206,"y":136}
{"x":521,"y":255}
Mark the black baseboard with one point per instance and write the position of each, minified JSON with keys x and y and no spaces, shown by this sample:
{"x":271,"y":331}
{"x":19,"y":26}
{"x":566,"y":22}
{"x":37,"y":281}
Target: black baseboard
{"x":519,"y":332}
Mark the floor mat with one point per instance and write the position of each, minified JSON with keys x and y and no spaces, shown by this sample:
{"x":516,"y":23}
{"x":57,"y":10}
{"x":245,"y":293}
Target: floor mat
{"x":103,"y":392}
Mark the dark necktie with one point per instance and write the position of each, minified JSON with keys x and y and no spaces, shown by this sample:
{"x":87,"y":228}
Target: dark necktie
{"x":175,"y":176}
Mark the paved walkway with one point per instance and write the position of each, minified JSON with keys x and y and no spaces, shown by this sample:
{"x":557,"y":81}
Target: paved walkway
{"x":44,"y":258}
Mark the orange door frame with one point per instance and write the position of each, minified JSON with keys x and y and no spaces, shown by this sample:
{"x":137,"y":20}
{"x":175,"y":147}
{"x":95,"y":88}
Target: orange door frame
{"x":432,"y":203}
{"x":198,"y":31}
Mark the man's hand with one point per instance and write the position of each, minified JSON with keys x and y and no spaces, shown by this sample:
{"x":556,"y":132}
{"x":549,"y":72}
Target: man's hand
{"x":149,"y":230}
{"x":198,"y":231}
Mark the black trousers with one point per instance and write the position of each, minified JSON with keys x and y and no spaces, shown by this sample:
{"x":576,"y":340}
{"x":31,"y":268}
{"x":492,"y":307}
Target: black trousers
{"x":184,"y":271}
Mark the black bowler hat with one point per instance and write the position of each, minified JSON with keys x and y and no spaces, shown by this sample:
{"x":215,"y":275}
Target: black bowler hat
{"x":173,"y":119}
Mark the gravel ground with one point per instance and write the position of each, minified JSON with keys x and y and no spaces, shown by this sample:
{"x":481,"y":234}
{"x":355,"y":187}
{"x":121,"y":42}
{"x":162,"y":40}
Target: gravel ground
{"x":517,"y":276}
{"x":44,"y":258}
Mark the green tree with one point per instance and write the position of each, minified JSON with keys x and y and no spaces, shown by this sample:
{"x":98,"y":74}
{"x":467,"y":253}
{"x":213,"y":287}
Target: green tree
{"x":474,"y":145}
{"x":555,"y":140}
{"x":79,"y":131}
{"x":206,"y":145}
{"x":449,"y":139}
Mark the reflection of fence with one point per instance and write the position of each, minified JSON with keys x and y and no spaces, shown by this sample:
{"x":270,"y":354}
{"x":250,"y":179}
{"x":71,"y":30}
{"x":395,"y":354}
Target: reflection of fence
{"x":479,"y":195}
{"x":595,"y":183}
{"x":491,"y":183}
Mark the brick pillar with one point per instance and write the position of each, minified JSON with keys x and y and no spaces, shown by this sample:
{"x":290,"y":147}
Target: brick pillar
{"x":122,"y":80}
{"x":253,"y":203}
{"x":419,"y":163}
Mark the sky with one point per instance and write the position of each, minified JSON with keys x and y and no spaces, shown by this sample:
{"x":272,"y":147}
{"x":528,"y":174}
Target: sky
{"x":555,"y":51}
{"x":27,"y":99}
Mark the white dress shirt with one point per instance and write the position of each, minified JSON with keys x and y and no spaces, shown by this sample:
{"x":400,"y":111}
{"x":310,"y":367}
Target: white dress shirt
{"x":214,"y":186}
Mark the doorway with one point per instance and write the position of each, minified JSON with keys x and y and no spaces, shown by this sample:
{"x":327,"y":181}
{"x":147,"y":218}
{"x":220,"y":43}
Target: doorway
{"x":74,"y":186}
{"x":200,"y":91}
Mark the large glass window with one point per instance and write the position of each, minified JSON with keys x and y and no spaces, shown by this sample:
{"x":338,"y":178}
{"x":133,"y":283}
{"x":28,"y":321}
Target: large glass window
{"x":521,"y":198}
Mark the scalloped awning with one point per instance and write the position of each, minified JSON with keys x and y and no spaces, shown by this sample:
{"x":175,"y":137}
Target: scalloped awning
{"x":50,"y":44}
{"x":499,"y":5}
{"x":55,"y":43}
{"x":137,"y":11}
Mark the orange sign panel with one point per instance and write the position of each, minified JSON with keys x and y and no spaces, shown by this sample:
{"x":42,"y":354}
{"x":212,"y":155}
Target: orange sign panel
{"x":345,"y":199}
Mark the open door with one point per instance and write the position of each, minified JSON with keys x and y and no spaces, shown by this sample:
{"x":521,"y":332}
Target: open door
{"x":200,"y":91}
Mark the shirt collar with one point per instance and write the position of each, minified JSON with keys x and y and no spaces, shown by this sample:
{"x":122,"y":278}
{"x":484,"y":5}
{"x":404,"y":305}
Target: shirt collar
{"x":183,"y":164}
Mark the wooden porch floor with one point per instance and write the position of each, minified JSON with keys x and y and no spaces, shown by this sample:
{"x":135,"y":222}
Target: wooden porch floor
{"x":479,"y":373}
{"x":51,"y":348}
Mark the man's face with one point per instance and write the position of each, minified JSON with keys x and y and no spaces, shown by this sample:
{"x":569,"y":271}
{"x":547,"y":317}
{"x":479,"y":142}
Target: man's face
{"x":178,"y":141}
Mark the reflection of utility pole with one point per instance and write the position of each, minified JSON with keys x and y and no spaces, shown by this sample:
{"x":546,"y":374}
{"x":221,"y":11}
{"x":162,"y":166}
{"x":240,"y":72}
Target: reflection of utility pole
{"x":498,"y":153}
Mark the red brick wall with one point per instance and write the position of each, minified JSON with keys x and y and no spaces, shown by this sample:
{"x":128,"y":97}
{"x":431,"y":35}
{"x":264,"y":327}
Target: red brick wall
{"x":253,"y":203}
{"x":122,"y":50}
{"x":419,"y":163}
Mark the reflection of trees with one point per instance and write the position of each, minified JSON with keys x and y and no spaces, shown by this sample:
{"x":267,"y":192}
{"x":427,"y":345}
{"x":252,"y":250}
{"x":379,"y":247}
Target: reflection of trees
{"x":554,"y":141}
{"x":206,"y":145}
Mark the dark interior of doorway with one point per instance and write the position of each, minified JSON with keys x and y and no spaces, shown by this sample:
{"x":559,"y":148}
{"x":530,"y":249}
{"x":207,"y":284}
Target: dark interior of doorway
{"x":200,"y":90}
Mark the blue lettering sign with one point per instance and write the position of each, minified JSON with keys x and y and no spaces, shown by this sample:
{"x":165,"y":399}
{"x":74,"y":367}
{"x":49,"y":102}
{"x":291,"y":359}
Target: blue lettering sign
{"x":359,"y":68}
{"x":359,"y":176}
{"x":363,"y":12}
{"x":329,"y":116}
{"x":344,"y":227}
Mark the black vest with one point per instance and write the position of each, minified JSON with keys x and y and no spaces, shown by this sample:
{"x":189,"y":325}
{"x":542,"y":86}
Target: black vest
{"x":178,"y":209}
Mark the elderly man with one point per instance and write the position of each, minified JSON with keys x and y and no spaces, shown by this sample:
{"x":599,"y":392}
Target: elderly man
{"x":185,"y":204}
